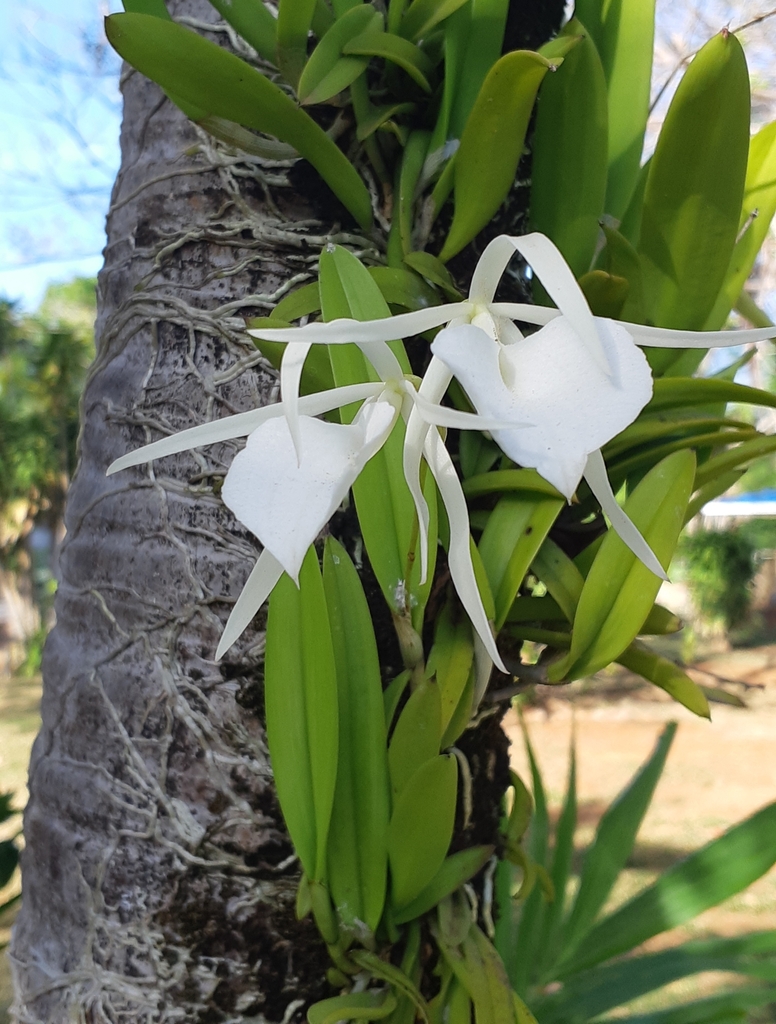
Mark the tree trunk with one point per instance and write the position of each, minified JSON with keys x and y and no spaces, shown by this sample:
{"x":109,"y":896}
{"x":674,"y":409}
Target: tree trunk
{"x":158,"y":879}
{"x":159,"y":882}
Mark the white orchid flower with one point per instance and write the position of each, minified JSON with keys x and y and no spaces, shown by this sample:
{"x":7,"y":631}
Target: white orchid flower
{"x":578,"y":381}
{"x":295,"y":471}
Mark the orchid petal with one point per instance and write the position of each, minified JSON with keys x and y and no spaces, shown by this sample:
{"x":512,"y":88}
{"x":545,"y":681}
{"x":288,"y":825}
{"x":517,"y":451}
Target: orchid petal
{"x":433,"y":386}
{"x":346,"y":331}
{"x":257,"y":589}
{"x":385,"y":363}
{"x":242,"y":424}
{"x":442,"y":416}
{"x":285,"y":504}
{"x":291,"y":367}
{"x":661,"y":337}
{"x":459,"y":556}
{"x":529,"y":314}
{"x":598,"y":481}
{"x":574,"y":412}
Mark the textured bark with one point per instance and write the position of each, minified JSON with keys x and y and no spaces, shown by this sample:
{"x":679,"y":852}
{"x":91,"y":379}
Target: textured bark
{"x":159,"y":882}
{"x":158,"y":879}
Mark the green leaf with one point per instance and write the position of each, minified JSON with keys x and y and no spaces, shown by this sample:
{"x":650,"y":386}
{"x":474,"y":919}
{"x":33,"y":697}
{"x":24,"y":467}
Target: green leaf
{"x":253,"y":21}
{"x":155,"y":8}
{"x":603,"y":988}
{"x":455,"y":870}
{"x":409,"y":173}
{"x":358,"y":853}
{"x":392,"y":694}
{"x":725,"y":1008}
{"x":757,"y":213}
{"x":492,"y":144}
{"x":421,"y":827}
{"x":295,"y":19}
{"x":606,"y":293}
{"x":733,"y":458}
{"x":620,"y":259}
{"x":353,"y":1006}
{"x":472,"y":48}
{"x":432,"y":268}
{"x":395,"y":49}
{"x":423,"y":15}
{"x":569,"y":153}
{"x":216,"y":81}
{"x":561,"y":863}
{"x":300,"y":302}
{"x":300,"y":693}
{"x":619,"y":590}
{"x":560,"y":575}
{"x":380,"y":115}
{"x":694,"y":190}
{"x":417,"y":735}
{"x":612,"y":845}
{"x":327,"y":72}
{"x":623,"y":32}
{"x":509,"y":480}
{"x":401,"y":287}
{"x":667,"y":675}
{"x":716,"y":872}
{"x":386,"y":971}
{"x":515,"y":531}
{"x":451,"y":657}
{"x":675,"y":392}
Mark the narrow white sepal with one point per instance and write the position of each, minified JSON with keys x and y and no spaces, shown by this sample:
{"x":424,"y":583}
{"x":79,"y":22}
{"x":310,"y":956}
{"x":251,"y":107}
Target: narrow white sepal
{"x":459,"y":555}
{"x":529,"y":314}
{"x":598,"y":480}
{"x":291,"y":367}
{"x":345,"y":332}
{"x":442,"y":416}
{"x":661,"y":337}
{"x":385,"y":363}
{"x":242,"y":424}
{"x":433,"y":386}
{"x":561,"y":285}
{"x":259,"y":585}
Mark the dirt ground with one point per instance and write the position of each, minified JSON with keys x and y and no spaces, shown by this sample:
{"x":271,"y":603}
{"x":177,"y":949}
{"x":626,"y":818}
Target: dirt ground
{"x":717,"y":772}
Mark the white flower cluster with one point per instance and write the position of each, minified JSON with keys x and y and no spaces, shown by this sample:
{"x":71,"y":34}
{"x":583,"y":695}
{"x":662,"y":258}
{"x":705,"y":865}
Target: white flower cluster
{"x":550,"y":400}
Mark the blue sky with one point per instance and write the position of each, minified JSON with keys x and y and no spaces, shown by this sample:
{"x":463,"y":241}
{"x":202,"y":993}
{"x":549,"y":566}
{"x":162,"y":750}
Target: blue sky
{"x":59,"y":124}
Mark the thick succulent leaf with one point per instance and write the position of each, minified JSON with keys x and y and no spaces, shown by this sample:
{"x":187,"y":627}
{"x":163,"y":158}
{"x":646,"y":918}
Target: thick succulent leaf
{"x":620,"y":259}
{"x":295,"y":18}
{"x":620,"y":590}
{"x":396,"y":50}
{"x":726,"y":1008}
{"x":515,"y":531}
{"x":719,"y":870}
{"x":404,"y":198}
{"x":424,"y":15}
{"x":758,"y":209}
{"x":156,"y":8}
{"x":667,"y":675}
{"x":417,"y":735}
{"x":253,"y":21}
{"x":478,"y":36}
{"x":327,"y":72}
{"x":612,"y":845}
{"x":694,"y":190}
{"x":364,"y":1006}
{"x":300,"y":693}
{"x":455,"y":870}
{"x":569,"y":153}
{"x":218,"y":82}
{"x":492,"y":143}
{"x":421,"y":827}
{"x":676,"y":392}
{"x":401,"y":287}
{"x":623,"y":32}
{"x":450,"y":659}
{"x":358,"y":852}
{"x":517,"y":480}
